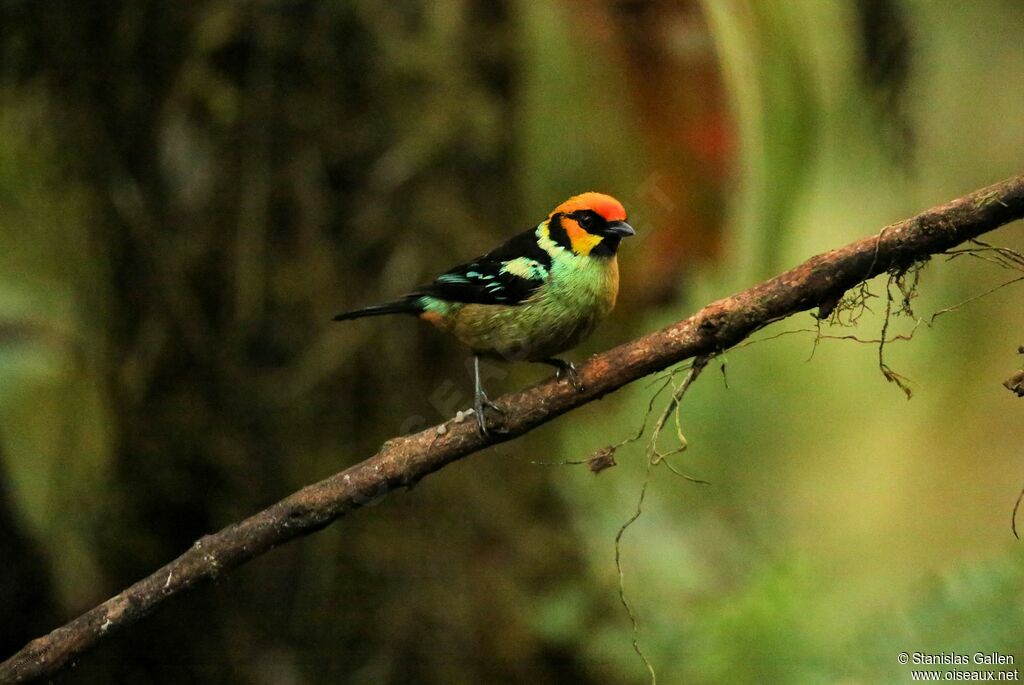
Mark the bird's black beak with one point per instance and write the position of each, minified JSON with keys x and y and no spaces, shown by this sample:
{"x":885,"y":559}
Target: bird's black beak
{"x":620,"y":229}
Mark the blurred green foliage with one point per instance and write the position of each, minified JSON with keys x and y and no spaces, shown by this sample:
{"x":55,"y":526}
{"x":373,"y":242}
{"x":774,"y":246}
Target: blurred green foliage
{"x":188,"y":192}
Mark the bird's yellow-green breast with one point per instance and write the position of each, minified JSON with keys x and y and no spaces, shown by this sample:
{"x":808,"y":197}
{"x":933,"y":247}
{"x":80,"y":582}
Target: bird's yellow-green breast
{"x":577,"y":292}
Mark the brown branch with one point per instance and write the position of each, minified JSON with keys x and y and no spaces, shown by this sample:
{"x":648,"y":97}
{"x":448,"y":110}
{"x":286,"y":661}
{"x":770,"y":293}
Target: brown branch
{"x":401,"y":462}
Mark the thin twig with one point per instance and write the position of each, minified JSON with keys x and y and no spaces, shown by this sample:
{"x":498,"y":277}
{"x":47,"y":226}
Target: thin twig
{"x":618,"y":568}
{"x":653,"y":459}
{"x":1013,"y":517}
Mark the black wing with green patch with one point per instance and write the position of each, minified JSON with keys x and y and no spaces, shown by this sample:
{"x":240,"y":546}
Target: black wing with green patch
{"x":488,"y":280}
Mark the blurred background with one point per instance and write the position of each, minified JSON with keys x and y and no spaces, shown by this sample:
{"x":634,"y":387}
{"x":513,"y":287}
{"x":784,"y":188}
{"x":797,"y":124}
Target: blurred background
{"x":190,"y":190}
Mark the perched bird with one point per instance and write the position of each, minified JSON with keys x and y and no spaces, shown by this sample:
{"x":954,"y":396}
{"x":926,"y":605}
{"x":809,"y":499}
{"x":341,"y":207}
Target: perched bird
{"x":532,"y":298}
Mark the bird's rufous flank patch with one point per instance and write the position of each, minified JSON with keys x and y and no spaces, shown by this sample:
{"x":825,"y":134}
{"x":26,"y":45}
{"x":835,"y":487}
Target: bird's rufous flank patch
{"x":605,"y":205}
{"x":434,"y":318}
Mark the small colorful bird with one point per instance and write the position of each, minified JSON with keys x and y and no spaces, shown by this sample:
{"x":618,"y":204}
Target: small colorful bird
{"x":534,"y":297}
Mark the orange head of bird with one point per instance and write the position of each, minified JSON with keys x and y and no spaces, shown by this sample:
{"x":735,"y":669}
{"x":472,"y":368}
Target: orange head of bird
{"x":590,"y":224}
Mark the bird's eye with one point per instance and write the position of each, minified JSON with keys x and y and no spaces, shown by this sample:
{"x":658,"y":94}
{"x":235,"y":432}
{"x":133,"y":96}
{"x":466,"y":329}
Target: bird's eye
{"x":586,"y":221}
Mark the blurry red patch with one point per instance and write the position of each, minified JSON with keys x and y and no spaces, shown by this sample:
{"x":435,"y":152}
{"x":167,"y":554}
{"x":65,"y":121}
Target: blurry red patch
{"x":433,"y":318}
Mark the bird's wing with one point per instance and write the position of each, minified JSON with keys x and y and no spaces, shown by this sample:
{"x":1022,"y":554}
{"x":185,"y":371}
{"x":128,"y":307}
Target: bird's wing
{"x":507,"y":275}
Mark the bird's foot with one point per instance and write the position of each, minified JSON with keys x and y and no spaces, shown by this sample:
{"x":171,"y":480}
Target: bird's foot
{"x":567,"y":370}
{"x":570,"y":372}
{"x":480,"y":406}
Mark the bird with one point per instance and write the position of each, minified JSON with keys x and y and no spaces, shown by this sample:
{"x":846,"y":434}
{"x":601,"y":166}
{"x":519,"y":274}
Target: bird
{"x":532,"y":298}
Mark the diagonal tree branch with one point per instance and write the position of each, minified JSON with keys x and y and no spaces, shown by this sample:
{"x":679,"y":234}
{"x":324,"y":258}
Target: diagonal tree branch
{"x":401,"y":462}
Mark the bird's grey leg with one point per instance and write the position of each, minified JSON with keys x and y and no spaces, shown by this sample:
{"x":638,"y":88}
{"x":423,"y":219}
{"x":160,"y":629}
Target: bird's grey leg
{"x":566,"y":370}
{"x":480,"y":400}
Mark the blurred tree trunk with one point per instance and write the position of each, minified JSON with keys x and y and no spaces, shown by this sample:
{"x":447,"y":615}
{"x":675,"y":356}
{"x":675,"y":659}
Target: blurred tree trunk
{"x":26,"y":593}
{"x":254,"y":167}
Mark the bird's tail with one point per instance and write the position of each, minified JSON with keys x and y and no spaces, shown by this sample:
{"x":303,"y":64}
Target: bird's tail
{"x":404,"y":306}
